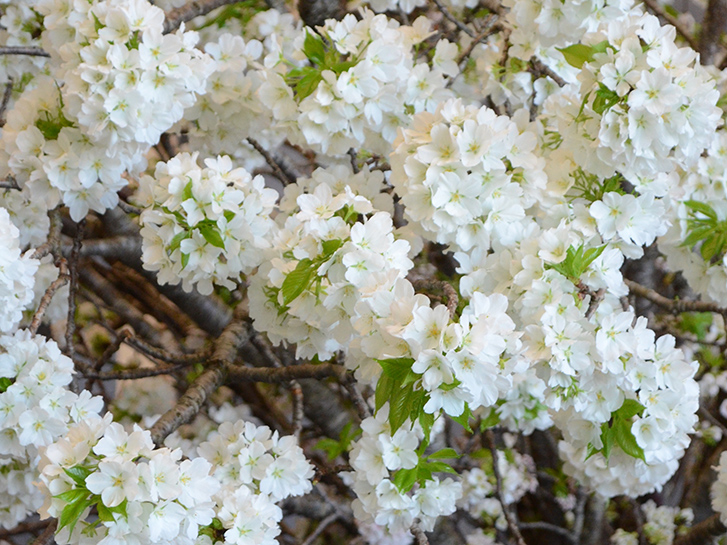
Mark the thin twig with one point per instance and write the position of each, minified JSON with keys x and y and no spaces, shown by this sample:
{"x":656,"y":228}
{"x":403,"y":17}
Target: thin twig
{"x":133,"y":374}
{"x":596,"y":299}
{"x":52,"y":245}
{"x":490,"y":28}
{"x":73,"y":286}
{"x":419,"y":535}
{"x":550,"y":528}
{"x":658,"y":10}
{"x":9,"y":183}
{"x":23,"y":528}
{"x":285,"y":374}
{"x":174,"y":18}
{"x":129,"y":208}
{"x":511,"y":524}
{"x":703,"y":532}
{"x":459,"y":24}
{"x":704,"y":413}
{"x":4,"y":106}
{"x":19,"y":50}
{"x":58,"y":283}
{"x":325,"y":523}
{"x":277,"y":169}
{"x":189,"y":404}
{"x":47,"y":536}
{"x":539,"y":68}
{"x":676,"y":306}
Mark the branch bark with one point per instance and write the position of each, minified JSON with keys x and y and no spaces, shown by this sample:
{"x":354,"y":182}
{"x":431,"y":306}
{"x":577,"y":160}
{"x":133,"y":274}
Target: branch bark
{"x":187,"y":12}
{"x":714,"y":24}
{"x":187,"y":407}
{"x":703,"y":533}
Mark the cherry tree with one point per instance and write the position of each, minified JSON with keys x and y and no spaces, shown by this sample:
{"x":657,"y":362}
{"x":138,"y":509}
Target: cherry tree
{"x":397,"y":271}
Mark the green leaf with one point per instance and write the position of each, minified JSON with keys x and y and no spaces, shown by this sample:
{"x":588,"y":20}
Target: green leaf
{"x":427,"y":421}
{"x":104,"y":513}
{"x":212,"y":235}
{"x":626,"y":440}
{"x":314,"y":48}
{"x":605,"y":99}
{"x":396,"y":368}
{"x":695,"y":322}
{"x":73,"y":495}
{"x":577,"y":54}
{"x":340,"y":67}
{"x":491,"y":420}
{"x":78,"y":474}
{"x":177,"y":241}
{"x":464,"y":418}
{"x":308,"y":83}
{"x":400,"y":407}
{"x":72,"y":513}
{"x":185,"y":260}
{"x":439,"y":466}
{"x":5,"y":383}
{"x":404,"y":479}
{"x":704,"y":208}
{"x":444,"y":454}
{"x":187,"y":191}
{"x":297,"y":280}
{"x":628,"y":410}
{"x":384,"y":390}
{"x":330,"y":247}
{"x":607,"y":440}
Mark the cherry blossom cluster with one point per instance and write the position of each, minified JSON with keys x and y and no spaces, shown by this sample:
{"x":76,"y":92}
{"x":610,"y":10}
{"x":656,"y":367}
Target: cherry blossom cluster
{"x":256,"y":469}
{"x":699,"y":207}
{"x":324,"y":260}
{"x":141,"y":493}
{"x":645,"y":102}
{"x":517,"y":473}
{"x":353,"y":88}
{"x":36,"y":409}
{"x":123,"y":84}
{"x":662,"y":526}
{"x":231,"y":109}
{"x":387,"y":500}
{"x":204,"y":226}
{"x":467,"y":175}
{"x":20,"y":26}
{"x":17,"y":275}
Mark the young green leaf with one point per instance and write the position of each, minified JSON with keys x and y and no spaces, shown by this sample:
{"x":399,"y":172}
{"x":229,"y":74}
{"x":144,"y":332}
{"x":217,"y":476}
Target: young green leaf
{"x":212,"y":235}
{"x":297,"y":280}
{"x":78,"y":474}
{"x":396,"y":368}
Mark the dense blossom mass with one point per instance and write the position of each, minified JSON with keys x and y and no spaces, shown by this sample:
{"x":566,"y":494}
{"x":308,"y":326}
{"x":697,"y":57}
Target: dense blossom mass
{"x":449,"y":223}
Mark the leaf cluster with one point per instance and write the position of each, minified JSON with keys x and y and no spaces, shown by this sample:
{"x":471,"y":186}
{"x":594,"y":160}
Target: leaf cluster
{"x":304,"y":275}
{"x":79,"y":499}
{"x":617,"y":431}
{"x":577,"y":261}
{"x":705,"y":229}
{"x":323,"y":56}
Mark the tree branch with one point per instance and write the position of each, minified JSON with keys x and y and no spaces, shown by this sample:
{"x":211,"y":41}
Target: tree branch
{"x":27,"y":51}
{"x":713,"y":26}
{"x":285,"y":177}
{"x":703,"y":533}
{"x":676,"y":306}
{"x":285,"y":374}
{"x":658,"y":10}
{"x":511,"y":524}
{"x":187,"y":407}
{"x":175,"y":17}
